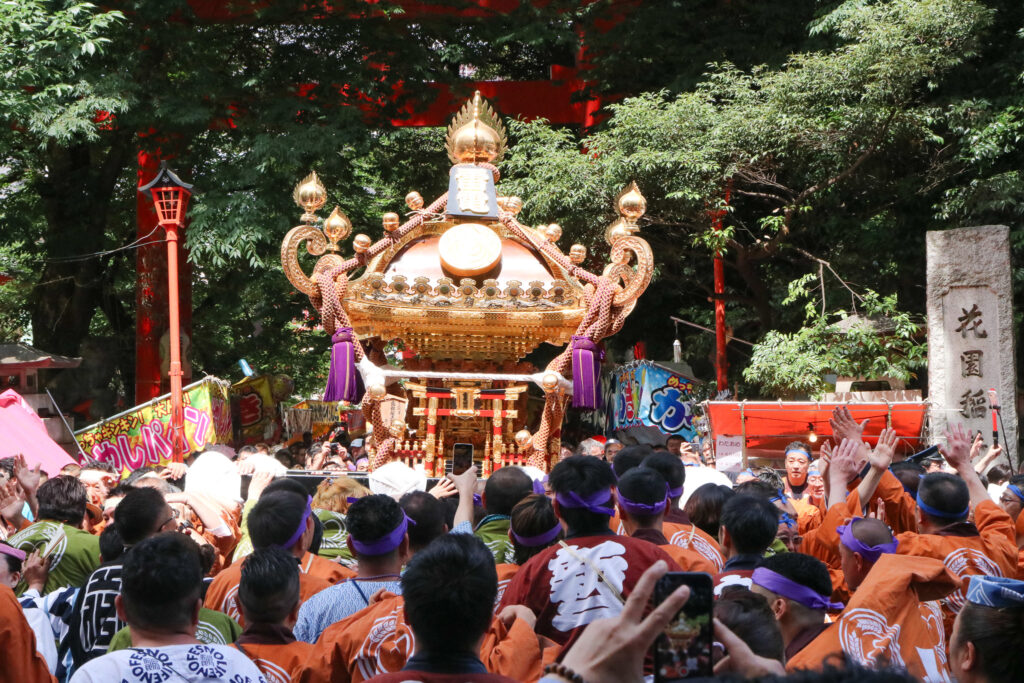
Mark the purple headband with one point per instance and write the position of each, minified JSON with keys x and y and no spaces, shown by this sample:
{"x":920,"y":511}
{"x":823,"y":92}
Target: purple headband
{"x":871,"y":553}
{"x":675,"y":493}
{"x":643,"y":509}
{"x":6,"y":549}
{"x":592,"y":503}
{"x":287,"y":545}
{"x":539,"y":539}
{"x":780,"y":585}
{"x":386,"y":543}
{"x":538,"y":487}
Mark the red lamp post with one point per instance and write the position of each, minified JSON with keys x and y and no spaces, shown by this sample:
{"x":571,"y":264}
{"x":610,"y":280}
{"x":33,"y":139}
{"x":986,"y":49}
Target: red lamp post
{"x":170,"y":199}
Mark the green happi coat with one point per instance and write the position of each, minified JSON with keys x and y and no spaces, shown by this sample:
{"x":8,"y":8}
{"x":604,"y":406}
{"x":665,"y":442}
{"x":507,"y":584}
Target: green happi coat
{"x":75,"y":553}
{"x":493,"y":531}
{"x":215,"y":628}
{"x":333,"y":545}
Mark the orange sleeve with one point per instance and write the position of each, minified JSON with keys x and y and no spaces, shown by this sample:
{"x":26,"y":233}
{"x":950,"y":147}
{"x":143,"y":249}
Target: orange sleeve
{"x":900,"y":508}
{"x":22,"y":661}
{"x":325,"y":664}
{"x":823,"y":542}
{"x":689,"y":560}
{"x":992,"y":520}
{"x":514,"y":651}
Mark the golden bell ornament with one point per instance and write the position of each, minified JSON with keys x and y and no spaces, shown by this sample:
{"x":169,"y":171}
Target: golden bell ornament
{"x":398,"y":429}
{"x":553,"y":232}
{"x":514,"y":205}
{"x":549,"y":382}
{"x":390,"y":221}
{"x":376,"y":391}
{"x":414,"y":200}
{"x":523,"y":438}
{"x":337,"y":226}
{"x":361,"y":243}
{"x":632,"y":204}
{"x":577,"y":254}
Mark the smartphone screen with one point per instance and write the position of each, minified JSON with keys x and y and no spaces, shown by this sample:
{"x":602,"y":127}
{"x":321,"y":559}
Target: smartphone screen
{"x":684,"y":649}
{"x":462,"y":457}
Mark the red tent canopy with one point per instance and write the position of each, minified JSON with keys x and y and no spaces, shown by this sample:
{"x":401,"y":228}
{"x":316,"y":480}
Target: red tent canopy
{"x":767,"y":426}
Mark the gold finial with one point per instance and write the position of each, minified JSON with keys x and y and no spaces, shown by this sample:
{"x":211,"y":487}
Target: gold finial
{"x":337,"y":226}
{"x":577,"y":254}
{"x":361,"y":243}
{"x":476,"y":134}
{"x":631,"y":203}
{"x":310,"y":195}
{"x":390,"y":221}
{"x":414,"y":200}
{"x":553,"y":232}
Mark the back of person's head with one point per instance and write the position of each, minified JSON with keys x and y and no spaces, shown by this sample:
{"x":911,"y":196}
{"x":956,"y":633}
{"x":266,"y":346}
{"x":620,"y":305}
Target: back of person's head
{"x":504,"y":488}
{"x":371,"y":519}
{"x":269,"y":588}
{"x":449,"y":590}
{"x":284,"y":456}
{"x":997,"y":634}
{"x":947,"y":497}
{"x":534,"y":527}
{"x":1001,"y":473}
{"x":70,"y":470}
{"x":750,"y":617}
{"x":7,"y":467}
{"x":751,"y":522}
{"x":161,"y":583}
{"x":275,"y":518}
{"x":646,"y":487}
{"x":806,"y":571}
{"x":704,"y":507}
{"x":756,"y":487}
{"x":62,"y":499}
{"x":628,"y":458}
{"x":909,"y":473}
{"x":112,"y":547}
{"x":428,"y":515}
{"x":585,"y":477}
{"x":141,"y":514}
{"x":246,"y":451}
{"x":97,"y":466}
{"x":671,"y":469}
{"x":334,"y":495}
{"x":771,"y":477}
{"x":286,"y":484}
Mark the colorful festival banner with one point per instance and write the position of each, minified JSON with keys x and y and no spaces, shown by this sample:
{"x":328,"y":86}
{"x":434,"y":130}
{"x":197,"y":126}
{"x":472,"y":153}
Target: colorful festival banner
{"x":649,"y":395}
{"x":141,"y":436}
{"x":257,"y":415}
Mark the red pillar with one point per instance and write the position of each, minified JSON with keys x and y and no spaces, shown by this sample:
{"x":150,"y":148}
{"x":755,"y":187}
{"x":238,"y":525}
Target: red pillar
{"x":151,"y":295}
{"x":721,"y":343}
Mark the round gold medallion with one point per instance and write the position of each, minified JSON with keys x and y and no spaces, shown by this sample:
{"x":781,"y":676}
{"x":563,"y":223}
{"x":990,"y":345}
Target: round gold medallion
{"x":469,"y":249}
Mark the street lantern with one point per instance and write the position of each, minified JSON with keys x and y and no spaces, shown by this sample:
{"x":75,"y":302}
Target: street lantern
{"x":170,"y":199}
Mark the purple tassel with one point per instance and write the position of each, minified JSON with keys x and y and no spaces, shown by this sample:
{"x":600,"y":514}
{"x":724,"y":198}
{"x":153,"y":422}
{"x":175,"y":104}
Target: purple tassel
{"x":344,"y":383}
{"x":586,"y":373}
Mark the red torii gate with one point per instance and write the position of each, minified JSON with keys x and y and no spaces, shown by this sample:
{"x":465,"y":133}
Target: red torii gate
{"x":554,"y":100}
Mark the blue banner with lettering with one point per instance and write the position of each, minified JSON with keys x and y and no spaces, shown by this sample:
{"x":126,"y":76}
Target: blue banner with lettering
{"x":648,"y":395}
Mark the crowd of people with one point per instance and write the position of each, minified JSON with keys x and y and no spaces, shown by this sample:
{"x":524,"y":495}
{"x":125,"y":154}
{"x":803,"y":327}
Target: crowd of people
{"x":845,"y":566}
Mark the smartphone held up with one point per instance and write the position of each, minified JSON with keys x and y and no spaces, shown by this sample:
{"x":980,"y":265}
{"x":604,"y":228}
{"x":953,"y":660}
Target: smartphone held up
{"x":683,"y":650}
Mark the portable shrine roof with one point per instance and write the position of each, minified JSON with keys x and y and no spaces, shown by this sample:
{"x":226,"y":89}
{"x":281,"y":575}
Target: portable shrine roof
{"x":23,"y":357}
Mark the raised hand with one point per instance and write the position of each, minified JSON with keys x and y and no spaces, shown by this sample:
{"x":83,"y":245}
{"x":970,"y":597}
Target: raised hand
{"x":12,"y":500}
{"x":844,"y":426}
{"x":881,"y":457}
{"x":846,"y":461}
{"x":444,"y":488}
{"x":465,"y":482}
{"x":957,"y":450}
{"x":612,"y":650}
{"x":36,"y":570}
{"x":741,"y":659}
{"x":976,"y":446}
{"x":259,"y":482}
{"x":174,"y":470}
{"x":28,"y":478}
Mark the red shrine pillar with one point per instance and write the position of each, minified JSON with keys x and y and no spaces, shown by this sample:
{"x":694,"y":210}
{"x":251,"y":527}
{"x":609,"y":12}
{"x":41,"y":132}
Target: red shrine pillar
{"x":151,"y":303}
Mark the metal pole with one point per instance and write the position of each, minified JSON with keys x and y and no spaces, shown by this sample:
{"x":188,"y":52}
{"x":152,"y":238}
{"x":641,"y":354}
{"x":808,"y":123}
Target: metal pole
{"x":178,"y":444}
{"x":85,"y":458}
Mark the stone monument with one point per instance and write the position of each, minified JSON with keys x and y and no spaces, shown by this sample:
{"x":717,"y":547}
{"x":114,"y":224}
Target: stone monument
{"x":970,"y":332}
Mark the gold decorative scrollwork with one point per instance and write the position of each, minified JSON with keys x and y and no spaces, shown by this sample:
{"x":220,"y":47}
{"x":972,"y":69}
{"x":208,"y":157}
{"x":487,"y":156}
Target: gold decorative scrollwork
{"x":633,"y":281}
{"x":317,"y":245}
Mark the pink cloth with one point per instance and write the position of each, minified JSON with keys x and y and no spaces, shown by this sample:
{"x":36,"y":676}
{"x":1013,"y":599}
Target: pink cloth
{"x":22,"y":431}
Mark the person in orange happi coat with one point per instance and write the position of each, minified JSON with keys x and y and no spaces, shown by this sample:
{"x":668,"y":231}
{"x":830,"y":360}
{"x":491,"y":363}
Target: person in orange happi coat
{"x":268,"y":594}
{"x":797,"y":460}
{"x":641,"y":499}
{"x":797,"y":588}
{"x":282,"y":519}
{"x":676,"y":525}
{"x":424,"y":631}
{"x":890,"y":619}
{"x":988,"y":546}
{"x":1012,"y":502}
{"x":21,"y":660}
